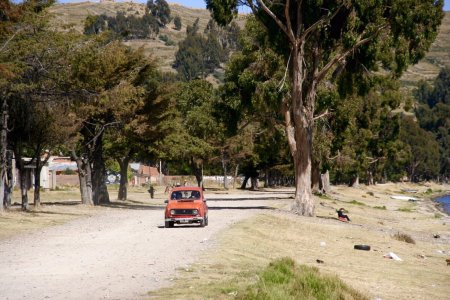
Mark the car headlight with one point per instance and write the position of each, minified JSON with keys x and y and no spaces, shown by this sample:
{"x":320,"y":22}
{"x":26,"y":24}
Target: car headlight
{"x":195,"y":212}
{"x":172,"y":211}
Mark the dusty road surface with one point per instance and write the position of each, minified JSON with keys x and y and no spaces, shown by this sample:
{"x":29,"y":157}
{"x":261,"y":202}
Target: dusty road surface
{"x":117,"y":254}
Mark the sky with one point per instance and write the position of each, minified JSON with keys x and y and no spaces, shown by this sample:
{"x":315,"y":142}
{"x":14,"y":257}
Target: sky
{"x":201,"y":3}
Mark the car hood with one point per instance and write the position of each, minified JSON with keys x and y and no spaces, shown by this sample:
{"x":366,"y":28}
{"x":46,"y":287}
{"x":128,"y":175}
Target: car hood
{"x":184,"y":204}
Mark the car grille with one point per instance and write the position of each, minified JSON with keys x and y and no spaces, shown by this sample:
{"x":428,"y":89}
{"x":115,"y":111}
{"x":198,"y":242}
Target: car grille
{"x":184,"y":212}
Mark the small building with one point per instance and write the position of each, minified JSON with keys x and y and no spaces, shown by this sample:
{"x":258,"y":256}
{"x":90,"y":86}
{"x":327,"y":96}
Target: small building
{"x":144,"y":175}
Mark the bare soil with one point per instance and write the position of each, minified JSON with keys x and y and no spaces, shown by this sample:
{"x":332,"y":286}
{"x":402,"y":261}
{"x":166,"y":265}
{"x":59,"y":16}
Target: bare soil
{"x":116,"y":252}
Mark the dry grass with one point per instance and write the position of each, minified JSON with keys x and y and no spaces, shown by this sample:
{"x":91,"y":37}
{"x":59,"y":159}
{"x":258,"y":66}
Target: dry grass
{"x":240,"y":253}
{"x":61,"y":206}
{"x":243,"y":251}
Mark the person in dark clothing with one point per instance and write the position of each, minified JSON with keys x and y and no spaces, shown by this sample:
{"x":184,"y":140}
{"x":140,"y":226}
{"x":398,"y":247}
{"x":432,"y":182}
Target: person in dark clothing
{"x":341,"y":214}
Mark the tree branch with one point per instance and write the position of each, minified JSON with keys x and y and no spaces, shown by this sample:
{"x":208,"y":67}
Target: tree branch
{"x":323,"y":20}
{"x":341,"y":56}
{"x":323,"y":114}
{"x":277,"y":20}
{"x":288,"y":20}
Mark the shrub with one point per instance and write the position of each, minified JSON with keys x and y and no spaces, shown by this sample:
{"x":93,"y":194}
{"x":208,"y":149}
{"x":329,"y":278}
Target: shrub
{"x":283,"y":279}
{"x":405,"y":209}
{"x":380,"y":207}
{"x":404,"y":238}
{"x":356,"y":202}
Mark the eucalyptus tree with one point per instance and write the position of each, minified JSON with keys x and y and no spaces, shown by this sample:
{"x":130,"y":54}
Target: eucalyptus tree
{"x":423,"y":161}
{"x":106,"y":71}
{"x":193,"y":128}
{"x":139,"y":130}
{"x":317,"y":37}
{"x":433,"y":113}
{"x":160,"y":9}
{"x":37,"y":58}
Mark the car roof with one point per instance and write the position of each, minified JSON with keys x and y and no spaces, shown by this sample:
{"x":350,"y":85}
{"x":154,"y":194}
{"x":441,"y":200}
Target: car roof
{"x":186,"y":188}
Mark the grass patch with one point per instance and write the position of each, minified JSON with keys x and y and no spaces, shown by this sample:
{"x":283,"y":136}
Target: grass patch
{"x":380,"y":207}
{"x":428,"y":191}
{"x":438,"y":215}
{"x":405,"y":209}
{"x":322,"y":196}
{"x":357,"y":203}
{"x":283,"y":279}
{"x":403,"y":237}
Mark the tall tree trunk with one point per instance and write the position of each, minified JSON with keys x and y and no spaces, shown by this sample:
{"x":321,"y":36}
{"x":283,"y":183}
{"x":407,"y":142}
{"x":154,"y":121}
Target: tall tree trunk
{"x":37,"y":186}
{"x":99,"y":190}
{"x":84,"y":176}
{"x":244,"y":182}
{"x":197,"y":168}
{"x":315,"y":179}
{"x":9,"y":180}
{"x":266,"y":178}
{"x":236,"y":170}
{"x":123,"y":163}
{"x":254,"y":181}
{"x":303,"y":202}
{"x":225,"y":173}
{"x":298,"y":115}
{"x":370,"y":178}
{"x":355,"y":181}
{"x":23,"y":178}
{"x":325,"y":178}
{"x":3,"y":151}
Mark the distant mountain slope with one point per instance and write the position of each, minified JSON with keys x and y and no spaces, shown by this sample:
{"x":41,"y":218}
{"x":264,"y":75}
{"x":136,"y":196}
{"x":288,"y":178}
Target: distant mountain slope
{"x":74,"y":14}
{"x":437,"y":58}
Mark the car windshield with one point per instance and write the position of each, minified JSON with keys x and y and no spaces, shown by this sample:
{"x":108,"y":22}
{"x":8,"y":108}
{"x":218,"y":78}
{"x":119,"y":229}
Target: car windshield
{"x":183,"y":195}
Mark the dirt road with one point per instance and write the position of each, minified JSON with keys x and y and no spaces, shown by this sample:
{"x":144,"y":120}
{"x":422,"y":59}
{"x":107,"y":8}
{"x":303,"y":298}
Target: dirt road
{"x":117,"y":254}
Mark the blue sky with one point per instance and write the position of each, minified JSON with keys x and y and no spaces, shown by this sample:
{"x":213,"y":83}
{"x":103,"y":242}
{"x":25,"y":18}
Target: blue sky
{"x":201,"y":3}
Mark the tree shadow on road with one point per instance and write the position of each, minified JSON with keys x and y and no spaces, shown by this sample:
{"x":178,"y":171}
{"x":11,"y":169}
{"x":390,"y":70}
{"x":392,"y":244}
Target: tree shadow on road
{"x":240,"y":207}
{"x":133,"y":206}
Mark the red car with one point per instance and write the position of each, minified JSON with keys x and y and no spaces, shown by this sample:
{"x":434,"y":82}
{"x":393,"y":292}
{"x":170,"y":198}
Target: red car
{"x":186,"y":205}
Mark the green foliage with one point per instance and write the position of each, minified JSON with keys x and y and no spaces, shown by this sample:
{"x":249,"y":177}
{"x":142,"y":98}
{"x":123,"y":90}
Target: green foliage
{"x":126,"y":27}
{"x":423,"y":162}
{"x":192,"y":129}
{"x":167,"y":41}
{"x":380,"y":207}
{"x":405,"y":209}
{"x":160,"y":10}
{"x":283,"y":279}
{"x":199,"y":55}
{"x":177,"y":23}
{"x":355,"y":202}
{"x":433,"y":112}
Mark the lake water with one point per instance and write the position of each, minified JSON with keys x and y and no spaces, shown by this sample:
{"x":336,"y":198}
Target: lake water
{"x":445,"y":200}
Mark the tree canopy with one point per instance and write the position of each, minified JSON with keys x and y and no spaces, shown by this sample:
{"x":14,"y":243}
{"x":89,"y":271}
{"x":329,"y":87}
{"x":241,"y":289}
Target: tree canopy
{"x":349,"y":38}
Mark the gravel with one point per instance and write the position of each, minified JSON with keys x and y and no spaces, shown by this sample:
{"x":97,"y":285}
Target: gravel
{"x":117,"y":254}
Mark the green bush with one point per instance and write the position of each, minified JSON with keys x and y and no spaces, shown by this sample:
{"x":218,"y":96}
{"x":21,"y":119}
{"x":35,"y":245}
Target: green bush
{"x":283,"y":279}
{"x":404,"y":238}
{"x":380,"y":207}
{"x":356,"y":202}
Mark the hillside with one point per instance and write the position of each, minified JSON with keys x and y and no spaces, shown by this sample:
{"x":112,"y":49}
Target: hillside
{"x":437,"y":58}
{"x":73,"y":16}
